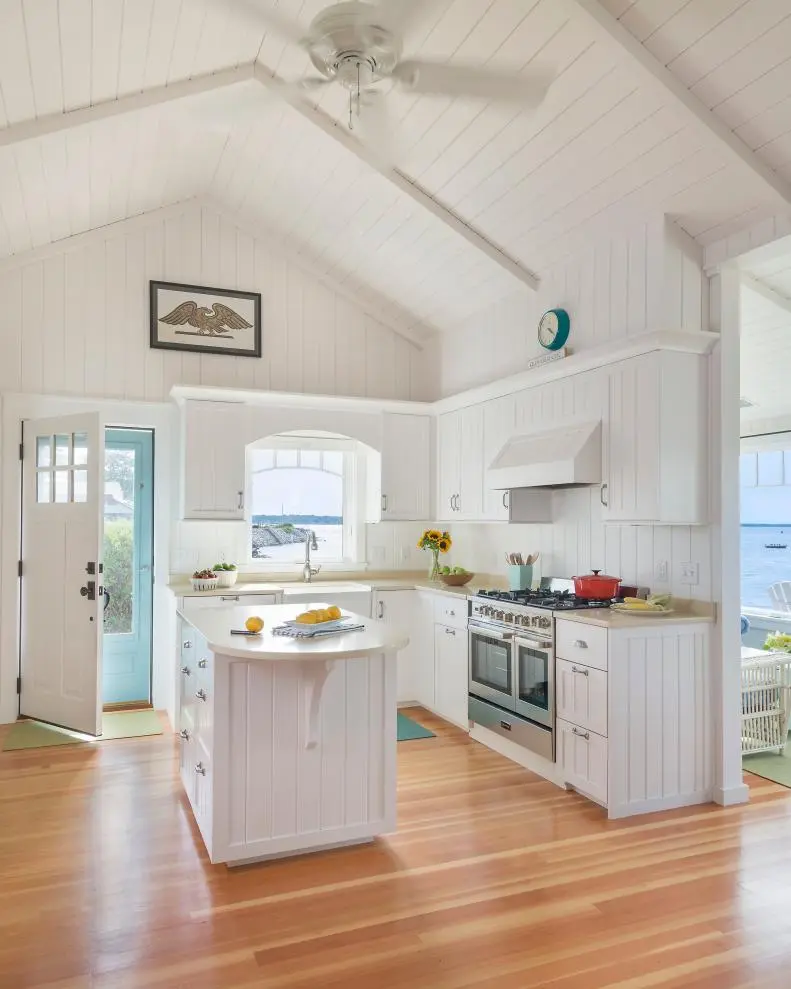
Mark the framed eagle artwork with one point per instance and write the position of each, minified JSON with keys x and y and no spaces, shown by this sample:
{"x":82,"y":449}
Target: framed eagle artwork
{"x":206,"y":320}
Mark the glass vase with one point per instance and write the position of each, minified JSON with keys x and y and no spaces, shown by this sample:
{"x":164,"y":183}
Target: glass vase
{"x":433,"y":570}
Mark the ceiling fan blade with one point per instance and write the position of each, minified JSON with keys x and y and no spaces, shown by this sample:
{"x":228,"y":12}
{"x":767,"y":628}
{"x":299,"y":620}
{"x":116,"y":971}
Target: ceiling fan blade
{"x":401,"y":16}
{"x":477,"y":82}
{"x":377,"y":128}
{"x":274,"y":19}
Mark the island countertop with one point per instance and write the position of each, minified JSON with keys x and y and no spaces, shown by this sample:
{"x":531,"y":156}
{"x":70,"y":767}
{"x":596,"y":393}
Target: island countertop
{"x":215,"y":625}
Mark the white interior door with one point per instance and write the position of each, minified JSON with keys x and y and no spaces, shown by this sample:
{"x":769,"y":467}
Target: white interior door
{"x":61,"y":593}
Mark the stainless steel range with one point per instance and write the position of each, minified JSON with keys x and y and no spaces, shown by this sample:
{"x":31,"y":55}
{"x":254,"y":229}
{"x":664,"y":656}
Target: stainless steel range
{"x":512,"y":661}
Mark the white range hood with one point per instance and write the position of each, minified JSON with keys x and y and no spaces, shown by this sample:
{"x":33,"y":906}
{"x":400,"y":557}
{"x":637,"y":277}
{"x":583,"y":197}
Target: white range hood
{"x":554,"y":458}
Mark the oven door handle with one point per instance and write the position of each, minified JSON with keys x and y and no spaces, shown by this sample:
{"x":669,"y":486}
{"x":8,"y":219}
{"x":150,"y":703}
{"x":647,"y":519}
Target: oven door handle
{"x":490,"y":632}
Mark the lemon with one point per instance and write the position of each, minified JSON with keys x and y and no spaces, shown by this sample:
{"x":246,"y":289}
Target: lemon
{"x":322,"y":615}
{"x":307,"y":618}
{"x":254,"y":624}
{"x":334,"y":612}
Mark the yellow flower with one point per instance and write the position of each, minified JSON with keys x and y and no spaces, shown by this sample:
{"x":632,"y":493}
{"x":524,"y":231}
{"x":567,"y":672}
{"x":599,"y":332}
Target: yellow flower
{"x":444,"y":545}
{"x":433,"y":535}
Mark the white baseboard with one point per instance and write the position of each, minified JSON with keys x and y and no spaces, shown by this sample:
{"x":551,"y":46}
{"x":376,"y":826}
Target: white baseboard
{"x":660,"y":803}
{"x":517,"y":753}
{"x":729,"y":796}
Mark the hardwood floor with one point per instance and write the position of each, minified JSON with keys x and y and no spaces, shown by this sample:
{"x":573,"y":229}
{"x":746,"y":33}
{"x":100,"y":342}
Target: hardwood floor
{"x":495,"y":880}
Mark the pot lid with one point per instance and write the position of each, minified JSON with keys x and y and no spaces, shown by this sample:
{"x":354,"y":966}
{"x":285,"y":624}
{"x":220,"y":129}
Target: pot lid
{"x":596,"y":575}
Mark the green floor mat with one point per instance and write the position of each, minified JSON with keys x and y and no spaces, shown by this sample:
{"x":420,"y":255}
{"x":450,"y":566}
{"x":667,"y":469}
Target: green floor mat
{"x":116,"y":724}
{"x":770,"y":766}
{"x":409,"y":729}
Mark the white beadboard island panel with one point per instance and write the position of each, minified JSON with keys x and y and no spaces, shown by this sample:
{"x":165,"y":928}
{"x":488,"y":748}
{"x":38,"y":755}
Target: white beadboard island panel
{"x":76,"y":318}
{"x":660,"y":712}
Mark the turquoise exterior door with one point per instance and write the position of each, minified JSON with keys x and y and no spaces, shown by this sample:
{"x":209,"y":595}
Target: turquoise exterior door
{"x":128,"y":565}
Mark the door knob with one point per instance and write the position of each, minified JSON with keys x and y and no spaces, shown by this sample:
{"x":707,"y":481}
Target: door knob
{"x":88,"y":590}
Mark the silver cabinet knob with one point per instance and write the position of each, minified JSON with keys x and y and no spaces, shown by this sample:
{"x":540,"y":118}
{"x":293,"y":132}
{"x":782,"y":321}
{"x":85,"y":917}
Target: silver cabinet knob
{"x":452,"y":614}
{"x":202,"y":664}
{"x":450,"y":631}
{"x":186,"y":671}
{"x":184,"y":734}
{"x":201,"y":695}
{"x":186,"y":644}
{"x":200,"y":769}
{"x":580,"y":644}
{"x":584,"y":735}
{"x":576,"y":669}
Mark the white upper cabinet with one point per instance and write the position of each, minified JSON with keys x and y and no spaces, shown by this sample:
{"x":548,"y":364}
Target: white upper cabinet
{"x":214,"y":460}
{"x":460,"y":465}
{"x":499,"y":425}
{"x":406,"y":467}
{"x":448,"y":464}
{"x":655,"y":449}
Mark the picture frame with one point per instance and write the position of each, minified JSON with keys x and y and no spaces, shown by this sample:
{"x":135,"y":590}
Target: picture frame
{"x":205,"y":320}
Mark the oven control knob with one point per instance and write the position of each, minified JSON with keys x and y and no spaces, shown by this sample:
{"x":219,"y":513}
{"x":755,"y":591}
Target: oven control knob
{"x":508,"y":616}
{"x":546,"y":623}
{"x":499,"y":615}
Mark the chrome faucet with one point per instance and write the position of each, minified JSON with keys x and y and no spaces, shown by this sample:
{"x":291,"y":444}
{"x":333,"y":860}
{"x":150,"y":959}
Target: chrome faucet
{"x":309,"y":572}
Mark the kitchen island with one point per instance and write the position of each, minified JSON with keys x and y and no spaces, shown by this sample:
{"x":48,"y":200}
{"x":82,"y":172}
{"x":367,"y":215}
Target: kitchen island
{"x":287,"y":745}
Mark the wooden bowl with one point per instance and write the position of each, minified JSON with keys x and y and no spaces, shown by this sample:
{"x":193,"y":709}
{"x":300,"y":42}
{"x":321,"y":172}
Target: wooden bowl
{"x":456,"y":579}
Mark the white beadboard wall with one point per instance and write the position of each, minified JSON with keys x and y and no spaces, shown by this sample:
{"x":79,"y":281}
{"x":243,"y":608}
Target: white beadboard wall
{"x":74,"y":319}
{"x":646,"y":278}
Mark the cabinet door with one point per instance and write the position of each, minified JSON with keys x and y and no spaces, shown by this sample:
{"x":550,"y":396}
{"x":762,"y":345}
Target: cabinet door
{"x":448,"y":465}
{"x":406,"y":471}
{"x":214,"y":460}
{"x":187,"y":758}
{"x":397,"y":609}
{"x":499,"y":422}
{"x":582,"y":755}
{"x":582,"y":696}
{"x":470,"y":501}
{"x":423,"y":650}
{"x":450,"y":675}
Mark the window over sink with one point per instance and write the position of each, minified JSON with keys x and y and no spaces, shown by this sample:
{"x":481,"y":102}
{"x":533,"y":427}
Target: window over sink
{"x":298,"y":485}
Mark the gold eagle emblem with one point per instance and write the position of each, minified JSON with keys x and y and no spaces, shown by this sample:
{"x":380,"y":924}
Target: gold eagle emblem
{"x":215,"y":321}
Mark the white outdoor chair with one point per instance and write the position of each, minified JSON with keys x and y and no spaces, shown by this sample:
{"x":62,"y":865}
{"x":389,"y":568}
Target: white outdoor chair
{"x":780,"y":593}
{"x":766,"y":702}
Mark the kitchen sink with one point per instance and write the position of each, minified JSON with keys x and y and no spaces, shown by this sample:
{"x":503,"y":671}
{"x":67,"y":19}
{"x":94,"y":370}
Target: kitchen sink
{"x":348,"y":596}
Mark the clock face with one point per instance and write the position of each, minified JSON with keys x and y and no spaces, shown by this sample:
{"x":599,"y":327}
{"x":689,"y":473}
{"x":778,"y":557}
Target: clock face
{"x":553,"y":329}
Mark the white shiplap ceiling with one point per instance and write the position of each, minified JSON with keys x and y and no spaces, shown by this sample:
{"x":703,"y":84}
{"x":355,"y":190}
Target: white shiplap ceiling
{"x":606,"y":145}
{"x":766,"y":339}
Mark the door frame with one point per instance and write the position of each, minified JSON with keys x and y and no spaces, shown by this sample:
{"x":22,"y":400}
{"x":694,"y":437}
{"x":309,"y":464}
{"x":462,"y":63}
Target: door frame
{"x":162,"y":418}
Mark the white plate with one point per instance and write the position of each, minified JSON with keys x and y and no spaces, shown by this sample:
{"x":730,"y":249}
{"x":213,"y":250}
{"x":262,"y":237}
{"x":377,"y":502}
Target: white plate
{"x":642,"y":612}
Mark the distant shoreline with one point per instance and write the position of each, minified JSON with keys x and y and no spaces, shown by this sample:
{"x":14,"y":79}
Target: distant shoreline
{"x":765,"y":525}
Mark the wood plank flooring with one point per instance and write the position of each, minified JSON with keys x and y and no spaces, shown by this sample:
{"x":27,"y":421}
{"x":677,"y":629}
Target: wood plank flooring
{"x":495,"y":880}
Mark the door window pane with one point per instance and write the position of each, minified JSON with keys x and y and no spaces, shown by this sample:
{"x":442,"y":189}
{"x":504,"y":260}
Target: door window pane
{"x":62,"y":445}
{"x":62,"y":486}
{"x":80,"y":442}
{"x":43,"y":451}
{"x":80,"y":478}
{"x":43,"y":487}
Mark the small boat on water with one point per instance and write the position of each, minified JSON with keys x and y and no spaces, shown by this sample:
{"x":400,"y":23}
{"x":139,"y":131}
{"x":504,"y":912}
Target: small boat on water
{"x":775,"y":545}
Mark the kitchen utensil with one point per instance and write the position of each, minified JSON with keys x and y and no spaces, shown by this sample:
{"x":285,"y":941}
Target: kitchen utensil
{"x":456,"y":579}
{"x":532,"y":559}
{"x":596,"y":585}
{"x":520,"y":578}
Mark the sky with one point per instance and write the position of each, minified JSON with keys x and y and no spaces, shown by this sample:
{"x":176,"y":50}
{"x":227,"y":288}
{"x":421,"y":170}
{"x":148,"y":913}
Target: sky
{"x":765,"y":495}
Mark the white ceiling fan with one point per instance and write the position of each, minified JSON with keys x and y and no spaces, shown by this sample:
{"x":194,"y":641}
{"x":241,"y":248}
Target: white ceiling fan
{"x":359,"y":46}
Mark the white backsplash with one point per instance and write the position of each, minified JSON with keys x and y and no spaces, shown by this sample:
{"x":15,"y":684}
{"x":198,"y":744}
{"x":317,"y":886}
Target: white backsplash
{"x":576,"y":542}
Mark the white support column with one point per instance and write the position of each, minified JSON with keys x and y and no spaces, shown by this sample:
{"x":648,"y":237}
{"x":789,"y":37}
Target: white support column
{"x":726,"y":555}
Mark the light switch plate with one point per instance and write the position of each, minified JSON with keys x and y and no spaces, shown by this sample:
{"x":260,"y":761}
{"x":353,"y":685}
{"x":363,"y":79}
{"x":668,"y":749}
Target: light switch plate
{"x":689,"y":573}
{"x":661,"y":571}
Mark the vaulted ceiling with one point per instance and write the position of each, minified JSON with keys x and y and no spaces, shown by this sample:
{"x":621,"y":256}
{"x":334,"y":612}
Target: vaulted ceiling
{"x":674,"y":106}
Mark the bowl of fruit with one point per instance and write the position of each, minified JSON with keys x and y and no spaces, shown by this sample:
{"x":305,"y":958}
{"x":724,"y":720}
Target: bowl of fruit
{"x":455,"y":576}
{"x":204,"y":580}
{"x":226,"y":574}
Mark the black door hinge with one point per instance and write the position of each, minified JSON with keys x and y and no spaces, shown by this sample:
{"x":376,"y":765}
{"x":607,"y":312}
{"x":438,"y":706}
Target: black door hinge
{"x":19,"y":568}
{"x":21,"y":451}
{"x":19,"y":685}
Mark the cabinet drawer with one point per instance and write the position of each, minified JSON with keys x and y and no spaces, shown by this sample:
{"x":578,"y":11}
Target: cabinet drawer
{"x":230,"y":599}
{"x":582,"y":755}
{"x":582,"y":644}
{"x":582,"y":696}
{"x":451,"y":611}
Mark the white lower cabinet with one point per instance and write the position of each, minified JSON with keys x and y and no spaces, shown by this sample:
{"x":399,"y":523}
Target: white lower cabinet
{"x":582,"y":696}
{"x":450,"y":674}
{"x":398,"y":609}
{"x":582,"y":754}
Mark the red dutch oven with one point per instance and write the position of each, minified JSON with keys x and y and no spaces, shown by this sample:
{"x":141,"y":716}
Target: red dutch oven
{"x":596,"y":585}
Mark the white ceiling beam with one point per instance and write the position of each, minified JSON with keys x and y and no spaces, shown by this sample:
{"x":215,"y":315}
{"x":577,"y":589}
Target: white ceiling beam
{"x":656,"y":74}
{"x":766,"y":292}
{"x":340,"y":134}
{"x":30,"y":130}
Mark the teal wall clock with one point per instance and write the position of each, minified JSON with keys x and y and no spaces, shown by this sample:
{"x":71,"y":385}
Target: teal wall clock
{"x":553,"y":329}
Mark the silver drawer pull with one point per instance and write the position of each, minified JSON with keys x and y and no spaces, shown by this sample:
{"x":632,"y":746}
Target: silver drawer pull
{"x":202,"y":664}
{"x":452,"y":614}
{"x":584,"y":735}
{"x":186,"y":671}
{"x":580,"y":644}
{"x":201,"y":695}
{"x":576,"y":669}
{"x":450,"y":631}
{"x":185,"y":734}
{"x":229,"y":597}
{"x":186,"y":645}
{"x":200,"y":769}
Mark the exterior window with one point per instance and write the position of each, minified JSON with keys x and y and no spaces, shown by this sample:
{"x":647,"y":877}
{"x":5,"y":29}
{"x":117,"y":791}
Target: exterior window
{"x":61,"y":476}
{"x":295,"y":490}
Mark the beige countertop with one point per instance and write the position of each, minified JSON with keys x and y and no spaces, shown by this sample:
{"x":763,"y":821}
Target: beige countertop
{"x":215,"y":625}
{"x":394,"y":582}
{"x":604,"y":618}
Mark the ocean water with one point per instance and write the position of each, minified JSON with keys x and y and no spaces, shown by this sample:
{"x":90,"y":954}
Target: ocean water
{"x":763,"y":567}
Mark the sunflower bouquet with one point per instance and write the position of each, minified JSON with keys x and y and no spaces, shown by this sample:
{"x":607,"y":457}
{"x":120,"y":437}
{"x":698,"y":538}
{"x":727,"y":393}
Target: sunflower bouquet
{"x":438,"y":542}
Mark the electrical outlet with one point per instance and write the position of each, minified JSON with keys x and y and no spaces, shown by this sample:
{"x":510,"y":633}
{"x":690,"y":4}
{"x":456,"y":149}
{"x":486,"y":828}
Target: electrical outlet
{"x":689,"y":573}
{"x":661,"y":571}
{"x":403,"y":553}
